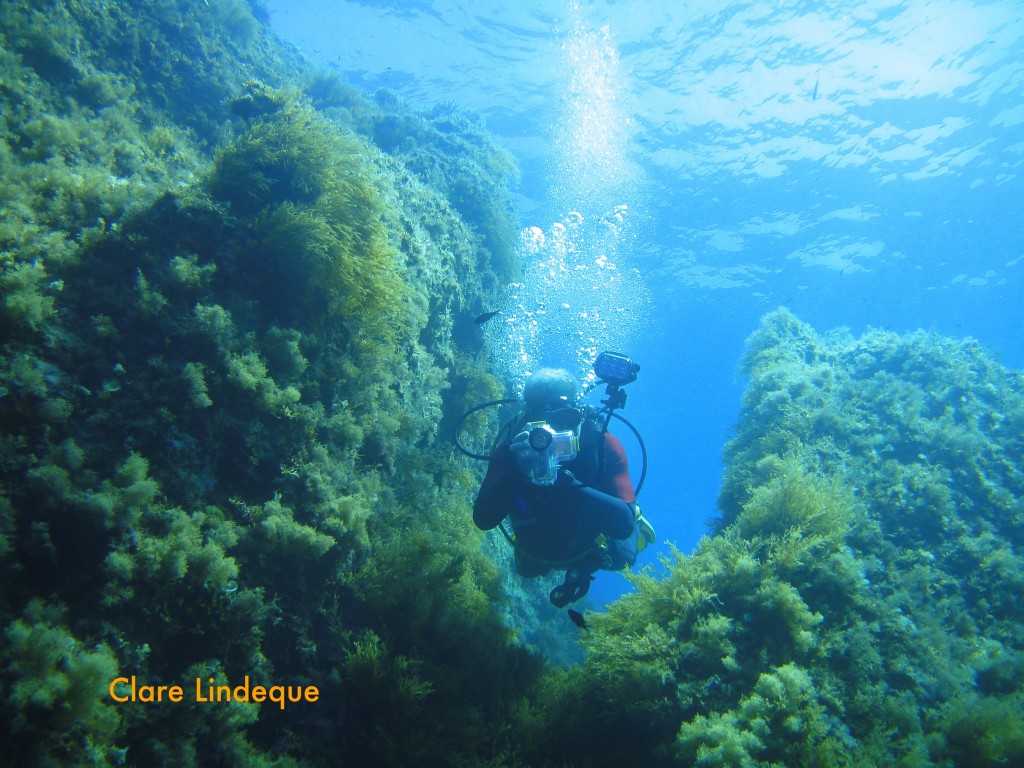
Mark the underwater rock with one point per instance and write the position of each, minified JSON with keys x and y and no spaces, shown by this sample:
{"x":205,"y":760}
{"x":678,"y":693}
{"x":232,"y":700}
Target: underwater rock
{"x":861,"y":587}
{"x":234,"y":338}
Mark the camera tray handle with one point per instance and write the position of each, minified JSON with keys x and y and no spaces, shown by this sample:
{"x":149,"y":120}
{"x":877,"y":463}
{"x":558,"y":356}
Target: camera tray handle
{"x":615,"y":397}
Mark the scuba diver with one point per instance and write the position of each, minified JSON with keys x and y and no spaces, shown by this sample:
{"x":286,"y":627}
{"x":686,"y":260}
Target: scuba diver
{"x":563,"y":483}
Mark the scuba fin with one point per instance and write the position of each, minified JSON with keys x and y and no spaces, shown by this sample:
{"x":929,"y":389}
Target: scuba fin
{"x":575,"y":586}
{"x":645,"y":536}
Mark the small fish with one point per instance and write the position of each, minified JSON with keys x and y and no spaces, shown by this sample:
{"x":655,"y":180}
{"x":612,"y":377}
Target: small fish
{"x":481,"y":319}
{"x":814,"y":93}
{"x":578,"y":620}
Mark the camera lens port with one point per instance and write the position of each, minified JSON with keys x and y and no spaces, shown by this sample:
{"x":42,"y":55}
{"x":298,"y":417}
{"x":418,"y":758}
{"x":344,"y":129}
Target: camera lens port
{"x":540,"y":439}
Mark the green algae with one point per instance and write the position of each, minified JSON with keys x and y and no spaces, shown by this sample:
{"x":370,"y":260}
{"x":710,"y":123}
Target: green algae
{"x":55,"y":681}
{"x":857,"y":604}
{"x":237,"y":303}
{"x":235,"y":330}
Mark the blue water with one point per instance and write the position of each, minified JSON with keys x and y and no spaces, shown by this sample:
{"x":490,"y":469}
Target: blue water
{"x":860,"y":165}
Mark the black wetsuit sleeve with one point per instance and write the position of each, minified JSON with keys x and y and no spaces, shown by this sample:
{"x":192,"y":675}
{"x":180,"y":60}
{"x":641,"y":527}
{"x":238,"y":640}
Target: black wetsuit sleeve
{"x":495,"y":498}
{"x":611,"y":516}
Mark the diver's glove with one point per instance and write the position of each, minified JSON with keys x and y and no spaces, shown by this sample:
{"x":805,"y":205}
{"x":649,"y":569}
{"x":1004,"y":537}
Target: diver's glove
{"x":523,"y":454}
{"x":567,"y":479}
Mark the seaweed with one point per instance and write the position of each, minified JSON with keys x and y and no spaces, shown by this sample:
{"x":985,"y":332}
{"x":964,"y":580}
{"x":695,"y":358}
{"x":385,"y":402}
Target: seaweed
{"x":237,"y":302}
{"x":855,"y":603}
{"x":230,"y":345}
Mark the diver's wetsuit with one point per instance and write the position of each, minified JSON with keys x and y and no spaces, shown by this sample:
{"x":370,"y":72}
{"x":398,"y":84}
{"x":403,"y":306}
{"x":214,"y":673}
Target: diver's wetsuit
{"x":557,"y":526}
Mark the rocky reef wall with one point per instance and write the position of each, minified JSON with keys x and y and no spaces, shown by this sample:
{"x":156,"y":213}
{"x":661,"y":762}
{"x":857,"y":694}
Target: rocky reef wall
{"x":859,"y":602}
{"x":236,"y":302}
{"x":236,"y":331}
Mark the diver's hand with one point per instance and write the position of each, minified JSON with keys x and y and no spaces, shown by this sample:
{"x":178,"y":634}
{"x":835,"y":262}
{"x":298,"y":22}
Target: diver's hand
{"x":523,"y":453}
{"x":567,"y":479}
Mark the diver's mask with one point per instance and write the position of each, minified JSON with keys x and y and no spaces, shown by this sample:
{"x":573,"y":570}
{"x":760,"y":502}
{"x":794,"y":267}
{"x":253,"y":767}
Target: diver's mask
{"x":561,"y":416}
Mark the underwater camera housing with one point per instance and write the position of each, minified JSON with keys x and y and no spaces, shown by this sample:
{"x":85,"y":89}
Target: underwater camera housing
{"x":552,"y":448}
{"x":615,"y":369}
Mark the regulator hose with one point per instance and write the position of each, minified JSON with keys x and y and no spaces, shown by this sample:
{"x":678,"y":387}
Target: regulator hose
{"x":470,"y":412}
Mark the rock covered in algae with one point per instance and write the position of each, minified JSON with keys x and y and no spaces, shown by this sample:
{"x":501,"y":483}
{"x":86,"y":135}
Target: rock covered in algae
{"x":859,"y":600}
{"x":237,"y":329}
